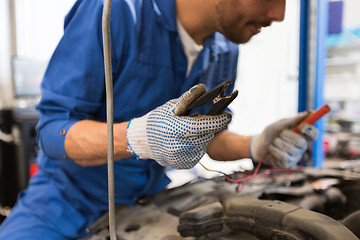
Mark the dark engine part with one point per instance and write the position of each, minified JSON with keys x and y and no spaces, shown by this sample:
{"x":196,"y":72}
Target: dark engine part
{"x":265,"y":218}
{"x":319,"y":201}
{"x":211,"y":209}
{"x":352,"y":222}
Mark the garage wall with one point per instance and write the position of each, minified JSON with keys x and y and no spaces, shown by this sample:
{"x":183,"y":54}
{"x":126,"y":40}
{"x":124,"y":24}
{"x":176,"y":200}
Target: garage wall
{"x":351,"y":13}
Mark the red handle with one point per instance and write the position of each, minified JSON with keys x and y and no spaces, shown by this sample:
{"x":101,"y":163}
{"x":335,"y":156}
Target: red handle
{"x":313,"y":117}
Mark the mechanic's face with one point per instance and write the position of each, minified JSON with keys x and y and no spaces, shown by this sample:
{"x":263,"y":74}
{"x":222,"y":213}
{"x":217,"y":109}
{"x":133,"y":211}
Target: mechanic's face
{"x":239,"y":20}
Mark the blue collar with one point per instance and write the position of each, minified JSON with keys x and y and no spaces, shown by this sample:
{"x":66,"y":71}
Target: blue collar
{"x":166,"y":12}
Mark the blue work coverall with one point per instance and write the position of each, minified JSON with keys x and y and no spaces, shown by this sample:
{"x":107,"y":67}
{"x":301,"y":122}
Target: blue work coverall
{"x":149,"y":68}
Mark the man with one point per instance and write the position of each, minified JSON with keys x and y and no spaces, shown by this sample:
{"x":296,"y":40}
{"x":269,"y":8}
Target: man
{"x":160,"y":50}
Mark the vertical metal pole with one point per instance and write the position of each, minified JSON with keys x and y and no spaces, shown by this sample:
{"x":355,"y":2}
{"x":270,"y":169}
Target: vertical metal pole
{"x":110,"y":115}
{"x":321,"y":55}
{"x":312,"y":68}
{"x":303,"y":55}
{"x":13,"y":42}
{"x":13,"y":45}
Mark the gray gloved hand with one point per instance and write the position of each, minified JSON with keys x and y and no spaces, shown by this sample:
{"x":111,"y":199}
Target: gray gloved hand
{"x":171,"y":139}
{"x":285,"y":147}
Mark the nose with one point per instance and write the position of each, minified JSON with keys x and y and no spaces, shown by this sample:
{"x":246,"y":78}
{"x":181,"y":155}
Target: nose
{"x":277,"y":10}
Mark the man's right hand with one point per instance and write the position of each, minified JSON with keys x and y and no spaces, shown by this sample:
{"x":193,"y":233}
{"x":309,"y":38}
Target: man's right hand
{"x":172,"y":140}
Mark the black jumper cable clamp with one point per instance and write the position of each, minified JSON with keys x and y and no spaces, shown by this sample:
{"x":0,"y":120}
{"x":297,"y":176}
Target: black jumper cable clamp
{"x":217,"y":96}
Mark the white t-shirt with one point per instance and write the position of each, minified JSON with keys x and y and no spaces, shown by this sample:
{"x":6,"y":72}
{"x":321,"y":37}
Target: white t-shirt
{"x":191,"y":48}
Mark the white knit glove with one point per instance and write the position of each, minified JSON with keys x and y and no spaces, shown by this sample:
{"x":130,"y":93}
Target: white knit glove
{"x":171,"y":139}
{"x":285,"y":147}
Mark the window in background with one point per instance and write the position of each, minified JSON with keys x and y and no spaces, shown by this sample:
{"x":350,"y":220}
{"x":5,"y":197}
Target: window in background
{"x":39,"y":26}
{"x":38,"y":29}
{"x":26,"y":77}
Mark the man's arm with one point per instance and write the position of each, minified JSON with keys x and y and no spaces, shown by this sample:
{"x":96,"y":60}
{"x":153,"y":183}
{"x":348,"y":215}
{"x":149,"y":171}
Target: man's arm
{"x":285,"y":146}
{"x":228,"y":146}
{"x":171,"y":140}
{"x":86,"y":142}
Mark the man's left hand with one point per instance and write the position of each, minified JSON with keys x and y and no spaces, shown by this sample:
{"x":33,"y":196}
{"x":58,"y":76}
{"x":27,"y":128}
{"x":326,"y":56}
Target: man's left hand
{"x":285,"y":146}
